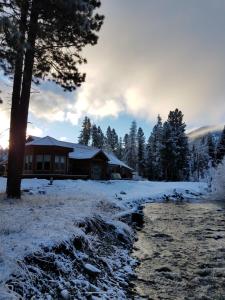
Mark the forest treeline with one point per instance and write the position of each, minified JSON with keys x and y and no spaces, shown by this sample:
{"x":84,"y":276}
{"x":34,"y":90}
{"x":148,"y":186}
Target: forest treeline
{"x":165,"y":154}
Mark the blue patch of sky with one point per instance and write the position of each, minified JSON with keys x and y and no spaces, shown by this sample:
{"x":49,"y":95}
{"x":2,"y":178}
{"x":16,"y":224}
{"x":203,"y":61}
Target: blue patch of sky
{"x":71,"y":132}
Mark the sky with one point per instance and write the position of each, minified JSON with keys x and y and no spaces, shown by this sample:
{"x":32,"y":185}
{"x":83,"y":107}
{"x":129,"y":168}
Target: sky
{"x":152,"y":56}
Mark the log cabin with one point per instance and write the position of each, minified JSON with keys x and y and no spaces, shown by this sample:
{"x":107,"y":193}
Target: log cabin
{"x":50,"y":158}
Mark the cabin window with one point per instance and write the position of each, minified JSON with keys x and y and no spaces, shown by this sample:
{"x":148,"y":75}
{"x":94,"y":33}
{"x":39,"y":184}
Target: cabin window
{"x":47,"y":162}
{"x":43,"y":162}
{"x":60,"y":163}
{"x":28,"y":162}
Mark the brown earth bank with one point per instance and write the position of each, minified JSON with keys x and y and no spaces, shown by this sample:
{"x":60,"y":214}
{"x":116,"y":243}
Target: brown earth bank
{"x":181,"y":249}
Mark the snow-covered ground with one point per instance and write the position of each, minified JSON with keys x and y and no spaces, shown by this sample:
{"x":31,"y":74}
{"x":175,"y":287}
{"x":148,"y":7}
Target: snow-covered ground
{"x":47,"y":213}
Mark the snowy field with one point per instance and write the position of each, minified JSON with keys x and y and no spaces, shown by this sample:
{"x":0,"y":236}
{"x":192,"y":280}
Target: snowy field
{"x":47,"y":213}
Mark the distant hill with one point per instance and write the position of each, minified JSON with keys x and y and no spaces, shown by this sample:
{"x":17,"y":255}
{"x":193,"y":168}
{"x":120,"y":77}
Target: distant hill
{"x":197,"y":134}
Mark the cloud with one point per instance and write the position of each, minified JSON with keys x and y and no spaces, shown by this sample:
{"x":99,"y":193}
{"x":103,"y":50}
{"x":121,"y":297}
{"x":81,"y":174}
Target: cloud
{"x":34,"y":130}
{"x":48,"y":105}
{"x":63,"y":138}
{"x":157,"y":56}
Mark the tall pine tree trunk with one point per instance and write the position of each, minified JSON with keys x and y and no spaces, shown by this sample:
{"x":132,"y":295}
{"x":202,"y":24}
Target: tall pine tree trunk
{"x":13,"y":176}
{"x":19,"y":115}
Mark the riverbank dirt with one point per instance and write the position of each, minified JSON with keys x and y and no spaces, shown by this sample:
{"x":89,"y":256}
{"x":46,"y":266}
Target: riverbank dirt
{"x":182,"y":252}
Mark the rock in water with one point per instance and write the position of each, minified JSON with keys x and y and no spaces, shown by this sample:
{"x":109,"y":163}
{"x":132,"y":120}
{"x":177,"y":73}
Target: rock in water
{"x":65,"y":294}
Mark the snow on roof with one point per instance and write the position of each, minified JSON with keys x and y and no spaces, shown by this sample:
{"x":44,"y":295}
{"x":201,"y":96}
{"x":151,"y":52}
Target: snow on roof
{"x":85,"y":153}
{"x":47,"y":141}
{"x":113,"y":160}
{"x":79,"y":151}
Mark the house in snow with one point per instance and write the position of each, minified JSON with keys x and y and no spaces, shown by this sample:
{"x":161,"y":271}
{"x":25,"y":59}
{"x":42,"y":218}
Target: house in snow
{"x":47,"y":157}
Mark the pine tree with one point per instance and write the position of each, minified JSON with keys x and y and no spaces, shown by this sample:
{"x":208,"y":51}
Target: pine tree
{"x":149,"y":157}
{"x":220,"y":150}
{"x":193,"y":164}
{"x":41,"y":40}
{"x":126,"y":147}
{"x":132,"y":146}
{"x":155,"y":147}
{"x":174,"y":153}
{"x":179,"y":168}
{"x":168,"y":153}
{"x":199,"y":159}
{"x":101,"y":138}
{"x":211,"y":149}
{"x":94,"y":136}
{"x":85,"y":134}
{"x":97,"y":137}
{"x":108,"y":139}
{"x":141,"y":151}
{"x":112,"y":140}
{"x":120,"y":149}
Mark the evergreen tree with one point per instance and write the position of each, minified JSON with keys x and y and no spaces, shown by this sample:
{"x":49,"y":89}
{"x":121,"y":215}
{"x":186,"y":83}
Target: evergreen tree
{"x":125,"y":147}
{"x":41,"y":40}
{"x":141,"y":151}
{"x":94,"y":136}
{"x":220,"y":151}
{"x":132,"y":146}
{"x":193,"y":165}
{"x":112,"y":140}
{"x":149,"y":157}
{"x":108,"y":139}
{"x":97,"y":137}
{"x":168,"y":153}
{"x":155,"y":147}
{"x":101,"y":138}
{"x":199,"y":159}
{"x":211,"y":149}
{"x":85,"y":134}
{"x":179,"y":164}
{"x":119,"y":152}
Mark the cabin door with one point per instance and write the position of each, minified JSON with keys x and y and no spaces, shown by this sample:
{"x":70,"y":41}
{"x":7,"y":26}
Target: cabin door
{"x":96,"y":171}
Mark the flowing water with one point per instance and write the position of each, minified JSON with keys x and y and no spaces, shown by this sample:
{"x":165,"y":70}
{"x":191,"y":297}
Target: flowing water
{"x":181,"y":249}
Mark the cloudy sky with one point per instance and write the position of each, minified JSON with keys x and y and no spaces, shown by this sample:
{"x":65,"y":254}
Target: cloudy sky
{"x":152,"y":56}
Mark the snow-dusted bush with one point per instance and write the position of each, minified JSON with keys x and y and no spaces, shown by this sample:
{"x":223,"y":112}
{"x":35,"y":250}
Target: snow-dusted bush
{"x":218,"y":180}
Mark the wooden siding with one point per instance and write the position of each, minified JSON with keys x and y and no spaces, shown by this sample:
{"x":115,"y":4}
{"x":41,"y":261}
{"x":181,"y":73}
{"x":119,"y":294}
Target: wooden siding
{"x":46,"y":150}
{"x":74,"y":168}
{"x":85,"y":167}
{"x":124,"y":172}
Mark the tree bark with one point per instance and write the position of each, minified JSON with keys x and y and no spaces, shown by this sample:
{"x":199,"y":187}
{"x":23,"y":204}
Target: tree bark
{"x":13,"y":176}
{"x":18,"y":133}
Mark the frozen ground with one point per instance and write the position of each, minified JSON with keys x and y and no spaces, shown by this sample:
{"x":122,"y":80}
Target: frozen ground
{"x":47,"y":214}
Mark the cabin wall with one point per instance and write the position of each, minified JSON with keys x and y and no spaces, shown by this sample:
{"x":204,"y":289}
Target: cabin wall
{"x":91,"y":168}
{"x":96,"y":168}
{"x":125,"y":173}
{"x":31,"y":160}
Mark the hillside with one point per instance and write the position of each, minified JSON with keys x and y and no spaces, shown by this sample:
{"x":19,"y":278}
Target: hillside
{"x":203,"y":131}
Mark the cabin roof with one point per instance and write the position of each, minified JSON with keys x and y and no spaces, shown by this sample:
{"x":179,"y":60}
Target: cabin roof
{"x":84,"y":153}
{"x":113,"y":160}
{"x":47,"y":141}
{"x":79,"y":151}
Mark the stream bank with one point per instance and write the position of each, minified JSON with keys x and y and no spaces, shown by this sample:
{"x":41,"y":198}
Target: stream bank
{"x":93,"y":265}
